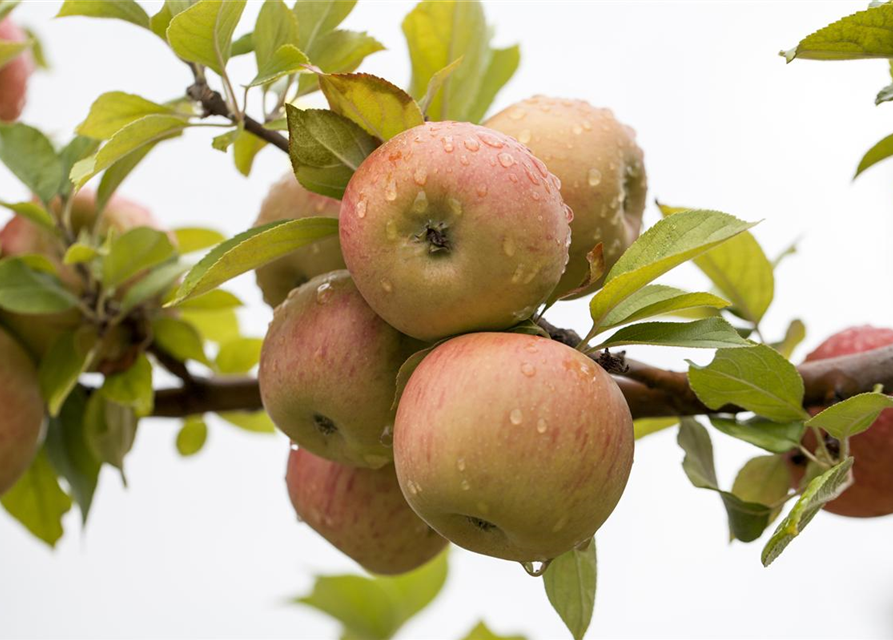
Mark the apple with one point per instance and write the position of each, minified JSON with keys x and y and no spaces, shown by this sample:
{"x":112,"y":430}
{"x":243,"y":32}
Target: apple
{"x":450,"y":227}
{"x":511,"y":445}
{"x":328,"y":372}
{"x":22,"y":237}
{"x":601,"y":171}
{"x":14,"y":74}
{"x":288,"y":200}
{"x":872,"y":450}
{"x":361,"y":512}
{"x":22,"y":421}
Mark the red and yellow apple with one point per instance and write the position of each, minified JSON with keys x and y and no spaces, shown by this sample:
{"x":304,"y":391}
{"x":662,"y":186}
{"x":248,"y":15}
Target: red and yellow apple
{"x":22,"y":420}
{"x":511,"y":445}
{"x":450,"y":227}
{"x":361,"y":512}
{"x":328,"y":372}
{"x":601,"y":169}
{"x":14,"y":74}
{"x":288,"y":200}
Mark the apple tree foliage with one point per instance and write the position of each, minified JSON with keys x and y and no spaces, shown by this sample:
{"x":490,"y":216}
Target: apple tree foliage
{"x":171,"y":284}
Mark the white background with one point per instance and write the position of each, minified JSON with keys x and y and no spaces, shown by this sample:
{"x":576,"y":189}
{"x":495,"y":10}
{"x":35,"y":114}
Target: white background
{"x":209,"y":546}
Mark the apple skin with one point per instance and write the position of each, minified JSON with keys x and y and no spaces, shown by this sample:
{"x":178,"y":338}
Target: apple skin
{"x":361,"y":512}
{"x":601,"y":169}
{"x":328,"y":372}
{"x":288,"y":200}
{"x":872,"y":493}
{"x":450,"y":227}
{"x":22,"y":423}
{"x":513,"y":446}
{"x":14,"y":74}
{"x":22,"y":237}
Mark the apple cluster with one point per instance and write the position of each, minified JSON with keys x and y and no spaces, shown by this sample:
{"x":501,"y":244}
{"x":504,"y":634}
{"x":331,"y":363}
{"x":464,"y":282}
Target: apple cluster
{"x":420,"y":412}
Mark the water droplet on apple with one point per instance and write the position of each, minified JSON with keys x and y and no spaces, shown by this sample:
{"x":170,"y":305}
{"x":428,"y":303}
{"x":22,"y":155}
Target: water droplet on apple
{"x":455,"y":206}
{"x":361,"y":209}
{"x":531,"y":347}
{"x":560,"y":524}
{"x":390,"y":192}
{"x":536,"y":196}
{"x":506,"y":159}
{"x":483,"y":508}
{"x":516,"y":417}
{"x":465,"y":485}
{"x":324,"y":293}
{"x":482,"y":190}
{"x":541,"y":425}
{"x":420,"y":177}
{"x":471,"y":144}
{"x":391,"y":230}
{"x":386,"y":285}
{"x":508,"y":246}
{"x":387,"y":436}
{"x":463,"y":160}
{"x":517,"y":114}
{"x":420,"y":204}
{"x":577,"y":129}
{"x":518,"y":274}
{"x":448,"y":144}
{"x":528,"y":369}
{"x":460,"y":464}
{"x":535,"y":569}
{"x":490,"y":140}
{"x":587,"y":125}
{"x":512,"y":178}
{"x":294,"y":447}
{"x":524,"y":136}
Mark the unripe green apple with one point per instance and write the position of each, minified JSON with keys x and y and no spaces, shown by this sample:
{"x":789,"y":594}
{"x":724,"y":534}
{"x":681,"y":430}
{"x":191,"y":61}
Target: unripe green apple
{"x":22,"y":237}
{"x":511,"y":445}
{"x":328,"y":372}
{"x":288,"y":200}
{"x":450,"y":227}
{"x":872,"y":450}
{"x":14,"y":74}
{"x":601,"y":171}
{"x":22,"y":417}
{"x":361,"y":512}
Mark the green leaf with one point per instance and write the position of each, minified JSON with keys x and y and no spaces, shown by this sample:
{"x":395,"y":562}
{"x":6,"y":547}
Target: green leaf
{"x":317,"y":18}
{"x":435,"y":84}
{"x":276,"y":25}
{"x":764,"y":480}
{"x":503,"y":65}
{"x":771,"y":436}
{"x":747,"y":520}
{"x":38,"y":502}
{"x":482,"y":632}
{"x":27,"y":290}
{"x":213,"y":301}
{"x":795,"y":334}
{"x":646,"y":426}
{"x":33,"y":212}
{"x":191,"y":239}
{"x":851,"y":416}
{"x":741,"y":271}
{"x":10,"y":50}
{"x":757,"y":378}
{"x":249,"y":250}
{"x":68,"y":357}
{"x":192,"y":436}
{"x":152,"y":286}
{"x":111,"y":429}
{"x":77,"y":148}
{"x":407,"y":369}
{"x":710,"y":333}
{"x":239,"y":356}
{"x":115,"y":174}
{"x":203,"y":33}
{"x":133,"y":252}
{"x":325,"y":149}
{"x":69,"y":453}
{"x":286,"y":60}
{"x":133,"y":387}
{"x":438,"y":33}
{"x":881,"y":151}
{"x":161,"y":20}
{"x":113,"y":111}
{"x":136,"y":135}
{"x":79,"y":253}
{"x":376,"y":608}
{"x":127,"y":10}
{"x":246,"y":147}
{"x":817,"y":494}
{"x":570,"y":582}
{"x":30,"y":156}
{"x":253,"y":421}
{"x":339,"y":51}
{"x":666,"y":245}
{"x":220,"y":326}
{"x":866,"y":34}
{"x":379,"y":107}
{"x":657,"y":299}
{"x":6,"y":7}
{"x":180,"y":339}
{"x":242,"y":45}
